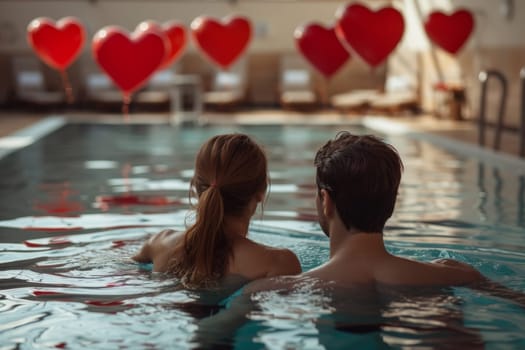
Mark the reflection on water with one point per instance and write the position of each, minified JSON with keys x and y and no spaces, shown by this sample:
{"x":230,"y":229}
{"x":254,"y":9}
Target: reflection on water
{"x":60,"y":202}
{"x":77,"y":204}
{"x":314,"y":316}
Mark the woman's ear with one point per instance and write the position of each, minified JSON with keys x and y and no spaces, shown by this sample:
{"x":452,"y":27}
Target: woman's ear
{"x":260,"y":196}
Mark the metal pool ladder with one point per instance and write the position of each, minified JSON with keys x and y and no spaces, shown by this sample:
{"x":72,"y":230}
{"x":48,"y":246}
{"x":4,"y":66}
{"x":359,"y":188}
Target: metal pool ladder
{"x":522,"y":120}
{"x":484,"y":77}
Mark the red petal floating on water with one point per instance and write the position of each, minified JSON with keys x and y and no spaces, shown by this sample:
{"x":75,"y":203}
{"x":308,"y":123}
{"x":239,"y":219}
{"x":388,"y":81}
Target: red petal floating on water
{"x":118,"y":244}
{"x":104,"y":303}
{"x":130,"y":199}
{"x":52,"y":241}
{"x":59,"y":240}
{"x":39,"y":293}
{"x":115,"y":284}
{"x":60,"y":209}
{"x":33,"y":244}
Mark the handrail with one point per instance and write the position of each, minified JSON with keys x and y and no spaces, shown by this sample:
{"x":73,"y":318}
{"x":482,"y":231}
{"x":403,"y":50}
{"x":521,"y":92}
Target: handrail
{"x":522,"y":121}
{"x":484,"y":77}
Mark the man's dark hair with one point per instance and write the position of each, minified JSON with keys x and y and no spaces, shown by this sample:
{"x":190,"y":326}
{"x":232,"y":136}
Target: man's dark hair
{"x":361,"y":175}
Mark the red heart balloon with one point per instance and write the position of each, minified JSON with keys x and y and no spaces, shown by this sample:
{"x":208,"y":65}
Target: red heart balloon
{"x":57,"y":45}
{"x":222,"y":43}
{"x":450,"y":32}
{"x":129,"y":60}
{"x":321,"y":47}
{"x":372,"y":34}
{"x":175,"y":35}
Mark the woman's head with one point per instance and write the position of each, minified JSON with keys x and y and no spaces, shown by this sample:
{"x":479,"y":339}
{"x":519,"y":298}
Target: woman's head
{"x":234,"y":166}
{"x":230,"y":175}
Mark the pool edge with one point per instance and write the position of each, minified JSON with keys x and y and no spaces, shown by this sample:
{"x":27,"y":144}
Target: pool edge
{"x":30,"y":134}
{"x":489,"y":156}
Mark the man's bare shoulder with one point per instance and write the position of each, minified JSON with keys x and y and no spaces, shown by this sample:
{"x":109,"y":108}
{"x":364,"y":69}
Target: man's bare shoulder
{"x":402,"y":271}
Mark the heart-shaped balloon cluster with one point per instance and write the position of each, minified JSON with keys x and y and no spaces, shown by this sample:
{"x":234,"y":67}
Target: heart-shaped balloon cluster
{"x":56,"y":44}
{"x":321,"y":47}
{"x":373,"y":35}
{"x":224,"y":41}
{"x":175,"y":34}
{"x":130,"y":59}
{"x":450,"y":32}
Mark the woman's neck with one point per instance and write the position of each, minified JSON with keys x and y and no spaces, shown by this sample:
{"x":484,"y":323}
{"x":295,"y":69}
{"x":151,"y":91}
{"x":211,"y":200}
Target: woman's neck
{"x":236,"y":226}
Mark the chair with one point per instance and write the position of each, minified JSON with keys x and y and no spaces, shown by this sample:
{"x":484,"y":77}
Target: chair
{"x":296,"y":85}
{"x":401,"y":94}
{"x":398,"y":91}
{"x":100,"y":92}
{"x":228,"y":88}
{"x":30,"y":85}
{"x":354,"y":101}
{"x":156,"y":94}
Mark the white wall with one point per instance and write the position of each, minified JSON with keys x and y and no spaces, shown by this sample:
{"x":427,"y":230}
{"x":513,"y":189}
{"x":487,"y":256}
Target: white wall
{"x":275,"y":21}
{"x":279,"y":18}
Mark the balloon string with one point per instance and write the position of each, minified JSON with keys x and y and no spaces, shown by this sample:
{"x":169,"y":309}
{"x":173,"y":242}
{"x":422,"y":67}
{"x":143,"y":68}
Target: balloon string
{"x":125,"y":106}
{"x":324,"y":92}
{"x":67,"y":87}
{"x":374,"y":75}
{"x":126,"y":170}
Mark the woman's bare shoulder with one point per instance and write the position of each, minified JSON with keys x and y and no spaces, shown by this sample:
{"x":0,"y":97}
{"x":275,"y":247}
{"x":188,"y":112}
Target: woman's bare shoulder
{"x":285,"y":263}
{"x":156,"y":244}
{"x":268,"y":260}
{"x":248,"y":247}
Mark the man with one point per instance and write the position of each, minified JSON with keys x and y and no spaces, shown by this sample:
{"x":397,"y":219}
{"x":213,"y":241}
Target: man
{"x":357,"y":183}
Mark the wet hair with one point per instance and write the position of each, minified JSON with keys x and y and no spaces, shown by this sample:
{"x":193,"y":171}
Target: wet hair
{"x":229,"y":171}
{"x":361,"y":175}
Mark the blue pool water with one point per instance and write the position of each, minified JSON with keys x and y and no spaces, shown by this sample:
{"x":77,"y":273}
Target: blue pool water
{"x":78,"y":203}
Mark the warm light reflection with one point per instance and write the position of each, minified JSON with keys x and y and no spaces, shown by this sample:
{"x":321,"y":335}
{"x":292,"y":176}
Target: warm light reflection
{"x":13,"y":142}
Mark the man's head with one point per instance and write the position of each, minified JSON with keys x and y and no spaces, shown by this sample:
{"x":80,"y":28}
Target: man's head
{"x":361,"y":174}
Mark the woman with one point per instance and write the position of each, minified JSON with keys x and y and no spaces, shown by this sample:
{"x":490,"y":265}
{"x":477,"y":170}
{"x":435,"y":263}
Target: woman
{"x":230,"y":180}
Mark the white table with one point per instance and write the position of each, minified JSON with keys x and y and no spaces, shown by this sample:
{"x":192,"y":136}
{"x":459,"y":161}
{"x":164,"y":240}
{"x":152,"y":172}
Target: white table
{"x":182,"y":87}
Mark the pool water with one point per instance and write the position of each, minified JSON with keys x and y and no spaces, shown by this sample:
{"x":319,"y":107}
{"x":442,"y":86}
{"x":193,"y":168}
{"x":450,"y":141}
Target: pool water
{"x":78,"y":203}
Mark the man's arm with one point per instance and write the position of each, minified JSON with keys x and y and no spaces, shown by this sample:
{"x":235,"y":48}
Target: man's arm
{"x":496,"y":289}
{"x":221,"y":327}
{"x":486,"y":285}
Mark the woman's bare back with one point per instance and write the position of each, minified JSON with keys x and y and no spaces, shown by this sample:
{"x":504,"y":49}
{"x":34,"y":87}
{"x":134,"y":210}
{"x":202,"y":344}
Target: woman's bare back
{"x":250,"y":260}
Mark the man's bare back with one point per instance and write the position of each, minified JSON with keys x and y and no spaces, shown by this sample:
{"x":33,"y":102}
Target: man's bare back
{"x":361,"y":259}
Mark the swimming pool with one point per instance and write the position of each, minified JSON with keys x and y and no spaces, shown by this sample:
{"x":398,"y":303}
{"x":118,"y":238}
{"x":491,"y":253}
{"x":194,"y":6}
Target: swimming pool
{"x":76,"y":204}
